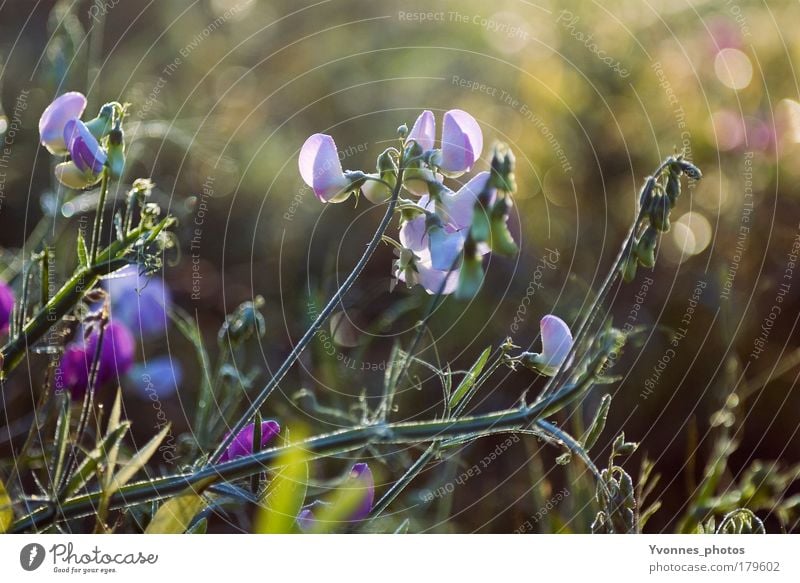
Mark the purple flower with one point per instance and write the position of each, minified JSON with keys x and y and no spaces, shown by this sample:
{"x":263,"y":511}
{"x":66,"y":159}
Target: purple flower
{"x":243,"y":442}
{"x":87,"y":157}
{"x":139,"y":302}
{"x":54,"y":119}
{"x":556,"y":345}
{"x":321,"y":169}
{"x":160,"y":376}
{"x":461,"y":145}
{"x":433,"y":243}
{"x":116,"y":357}
{"x":6,"y":306}
{"x":360,"y":478}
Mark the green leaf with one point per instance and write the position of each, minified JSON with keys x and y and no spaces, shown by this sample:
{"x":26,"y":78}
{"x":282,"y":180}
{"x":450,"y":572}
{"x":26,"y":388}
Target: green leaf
{"x":176,"y":514}
{"x":87,"y":467}
{"x":466,"y":383}
{"x":6,"y":509}
{"x":83,"y":253}
{"x":598,"y":424}
{"x":137,"y":462}
{"x":113,"y":423}
{"x":284,"y":497}
{"x":60,"y":443}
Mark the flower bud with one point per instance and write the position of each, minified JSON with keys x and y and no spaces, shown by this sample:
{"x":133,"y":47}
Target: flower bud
{"x":646,"y":247}
{"x":116,"y":153}
{"x":690,"y":169}
{"x":470,"y":277}
{"x":628,"y":267}
{"x":659,"y":211}
{"x":501,"y":240}
{"x":673,"y":187}
{"x":245,"y":322}
{"x":101,"y":125}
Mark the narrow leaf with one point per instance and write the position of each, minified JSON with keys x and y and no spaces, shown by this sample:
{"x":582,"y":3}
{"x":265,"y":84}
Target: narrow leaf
{"x":285,"y":495}
{"x":591,"y":435}
{"x":137,"y":462}
{"x":86,"y":468}
{"x":6,"y":509}
{"x":176,"y":514}
{"x":60,"y":443}
{"x":466,"y":383}
{"x":83,"y":253}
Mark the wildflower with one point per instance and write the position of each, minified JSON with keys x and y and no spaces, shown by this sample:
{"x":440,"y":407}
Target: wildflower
{"x":321,"y":169}
{"x":556,"y":346}
{"x":116,"y":358}
{"x":6,"y":306}
{"x":242,"y":444}
{"x":54,"y":120}
{"x":461,"y":144}
{"x":141,"y":303}
{"x":159,"y":376}
{"x":359,"y":479}
{"x":87,"y":157}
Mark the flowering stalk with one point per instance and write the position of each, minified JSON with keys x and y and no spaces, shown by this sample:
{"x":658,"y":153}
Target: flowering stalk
{"x":108,"y":261}
{"x":298,"y":349}
{"x":326,"y":445}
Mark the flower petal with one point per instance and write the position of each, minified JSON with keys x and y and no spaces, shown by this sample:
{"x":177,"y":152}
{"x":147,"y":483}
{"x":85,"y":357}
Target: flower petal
{"x":55,"y":117}
{"x":462,"y":142}
{"x":445,"y":247}
{"x":361,"y":478}
{"x":321,"y":168}
{"x":242,"y":445}
{"x":556,"y":341}
{"x":70,"y":176}
{"x":413,"y":234}
{"x":424,"y":131}
{"x":84,"y":149}
{"x":458,"y":208}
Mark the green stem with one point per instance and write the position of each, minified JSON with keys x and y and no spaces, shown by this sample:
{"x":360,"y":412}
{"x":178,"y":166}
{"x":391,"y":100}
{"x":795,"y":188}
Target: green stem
{"x":70,"y":294}
{"x":298,"y":349}
{"x":98,"y":217}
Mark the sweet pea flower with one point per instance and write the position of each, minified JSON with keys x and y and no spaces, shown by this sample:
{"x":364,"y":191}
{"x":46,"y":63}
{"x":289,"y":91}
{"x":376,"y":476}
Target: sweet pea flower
{"x":242,"y":444}
{"x":160,"y":376}
{"x":116,"y":358}
{"x":461,"y":143}
{"x":360,"y":478}
{"x":87,"y":157}
{"x":6,"y":306}
{"x":54,"y":120}
{"x":139,"y":302}
{"x":321,"y":169}
{"x":556,"y":345}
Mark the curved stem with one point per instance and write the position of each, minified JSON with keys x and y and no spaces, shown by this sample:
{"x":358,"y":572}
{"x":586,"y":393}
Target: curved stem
{"x":298,"y":349}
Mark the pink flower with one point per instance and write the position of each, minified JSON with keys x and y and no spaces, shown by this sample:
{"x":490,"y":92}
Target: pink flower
{"x":54,"y":119}
{"x":461,"y":144}
{"x":6,"y":306}
{"x":321,"y":169}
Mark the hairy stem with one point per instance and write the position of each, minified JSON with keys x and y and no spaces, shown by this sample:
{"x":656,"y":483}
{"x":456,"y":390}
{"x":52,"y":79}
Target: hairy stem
{"x":298,"y":349}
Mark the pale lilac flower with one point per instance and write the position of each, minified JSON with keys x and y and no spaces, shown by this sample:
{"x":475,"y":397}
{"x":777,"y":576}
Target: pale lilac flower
{"x":6,"y":306}
{"x":54,"y":119}
{"x":242,"y":444}
{"x":321,"y":169}
{"x":461,"y":144}
{"x":360,"y":478}
{"x":116,"y":358}
{"x":556,"y":346}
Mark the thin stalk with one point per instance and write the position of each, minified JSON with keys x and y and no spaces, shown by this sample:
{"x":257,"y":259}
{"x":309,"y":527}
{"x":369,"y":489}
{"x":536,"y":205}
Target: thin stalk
{"x":319,"y":446}
{"x":298,"y":349}
{"x":98,"y":217}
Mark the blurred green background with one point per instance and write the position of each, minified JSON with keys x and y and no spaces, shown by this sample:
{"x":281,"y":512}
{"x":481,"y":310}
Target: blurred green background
{"x":590,"y":96}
